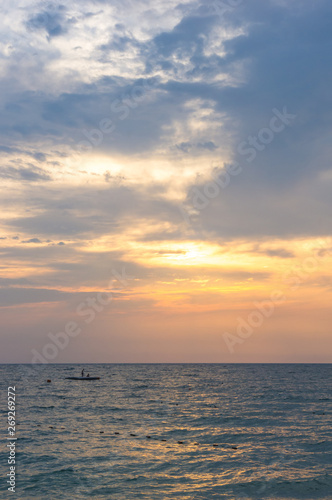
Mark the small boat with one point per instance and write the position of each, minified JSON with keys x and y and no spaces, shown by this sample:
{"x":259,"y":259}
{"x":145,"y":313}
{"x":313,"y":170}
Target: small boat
{"x":82,"y":378}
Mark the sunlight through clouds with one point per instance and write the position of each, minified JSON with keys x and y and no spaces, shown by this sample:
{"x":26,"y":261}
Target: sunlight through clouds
{"x":172,"y":140}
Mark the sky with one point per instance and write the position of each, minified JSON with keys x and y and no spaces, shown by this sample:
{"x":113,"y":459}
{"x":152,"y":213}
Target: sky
{"x":166,"y":181}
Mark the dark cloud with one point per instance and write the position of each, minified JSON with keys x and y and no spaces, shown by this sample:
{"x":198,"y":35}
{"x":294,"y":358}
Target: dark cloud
{"x":188,"y":147}
{"x":32,"y":174}
{"x":111,"y":178}
{"x":185,"y":147}
{"x":163,"y":235}
{"x":52,"y":223}
{"x":281,"y":58}
{"x":72,"y":118}
{"x":86,"y":212}
{"x":185,"y":39}
{"x":238,"y":276}
{"x":274,"y":252}
{"x":54,"y":21}
{"x":36,"y":155}
{"x":275,"y":51}
{"x":32,"y":240}
{"x":11,"y":296}
{"x":9,"y":150}
{"x":40,"y":255}
{"x":5,"y":282}
{"x":121,"y":41}
{"x":39,"y":156}
{"x":249,"y":211}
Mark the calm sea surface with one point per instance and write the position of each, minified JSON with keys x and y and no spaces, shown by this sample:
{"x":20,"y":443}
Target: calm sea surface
{"x":272,"y":425}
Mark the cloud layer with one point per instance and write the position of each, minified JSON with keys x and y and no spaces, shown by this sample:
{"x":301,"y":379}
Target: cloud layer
{"x":164,"y":137}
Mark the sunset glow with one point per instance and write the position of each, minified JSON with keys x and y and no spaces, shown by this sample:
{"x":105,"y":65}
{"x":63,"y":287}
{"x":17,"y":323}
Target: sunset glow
{"x":161,"y":160}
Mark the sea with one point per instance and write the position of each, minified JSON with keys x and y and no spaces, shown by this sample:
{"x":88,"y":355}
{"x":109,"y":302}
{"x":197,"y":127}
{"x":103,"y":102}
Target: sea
{"x":168,"y":431}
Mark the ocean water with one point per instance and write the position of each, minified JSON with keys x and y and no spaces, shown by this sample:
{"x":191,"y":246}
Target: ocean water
{"x":272,"y":425}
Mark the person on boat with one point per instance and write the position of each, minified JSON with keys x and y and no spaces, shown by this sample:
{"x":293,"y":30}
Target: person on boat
{"x":88,"y":375}
{"x":82,"y":373}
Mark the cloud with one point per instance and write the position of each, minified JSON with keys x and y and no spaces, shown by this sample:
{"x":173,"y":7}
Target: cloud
{"x":88,"y":212}
{"x":9,"y":150}
{"x":212,"y":83}
{"x":249,"y":211}
{"x":11,"y":296}
{"x":53,"y":21}
{"x":276,"y":74}
{"x":277,"y":252}
{"x":209,"y":145}
{"x":196,"y":55}
{"x":185,"y":40}
{"x":32,"y":240}
{"x":185,"y":147}
{"x":52,"y":223}
{"x":121,"y":41}
{"x":39,"y":156}
{"x":32,"y":174}
{"x":188,"y":147}
{"x":6,"y":282}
